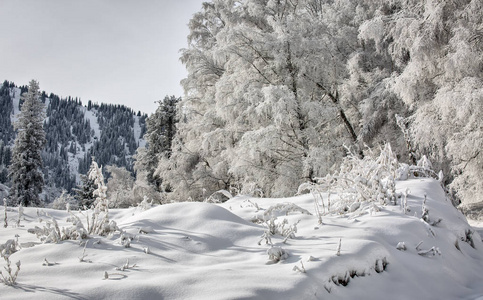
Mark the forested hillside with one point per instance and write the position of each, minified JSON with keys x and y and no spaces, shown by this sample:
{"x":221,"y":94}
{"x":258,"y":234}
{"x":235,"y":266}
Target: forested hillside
{"x":74,"y":133}
{"x":276,"y":91}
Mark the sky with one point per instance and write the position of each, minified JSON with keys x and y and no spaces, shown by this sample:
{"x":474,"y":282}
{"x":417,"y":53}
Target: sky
{"x":108,"y":51}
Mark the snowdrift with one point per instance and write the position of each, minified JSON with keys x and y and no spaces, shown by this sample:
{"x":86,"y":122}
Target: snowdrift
{"x":219,"y":251}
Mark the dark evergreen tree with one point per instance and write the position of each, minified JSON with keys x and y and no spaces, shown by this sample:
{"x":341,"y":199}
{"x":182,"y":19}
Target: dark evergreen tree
{"x":160,"y":131}
{"x":26,"y":168}
{"x":84,"y":194}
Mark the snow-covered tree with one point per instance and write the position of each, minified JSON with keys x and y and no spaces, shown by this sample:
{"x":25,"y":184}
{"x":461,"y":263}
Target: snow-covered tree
{"x":263,"y":108}
{"x":120,"y":187}
{"x":434,"y":53}
{"x":25,"y":170}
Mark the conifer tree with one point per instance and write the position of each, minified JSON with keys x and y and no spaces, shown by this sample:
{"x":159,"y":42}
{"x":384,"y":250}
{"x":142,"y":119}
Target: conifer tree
{"x":161,"y":128}
{"x":26,"y":168}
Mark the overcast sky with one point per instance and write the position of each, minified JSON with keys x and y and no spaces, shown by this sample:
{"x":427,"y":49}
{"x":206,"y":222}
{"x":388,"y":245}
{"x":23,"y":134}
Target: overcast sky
{"x":111,"y":51}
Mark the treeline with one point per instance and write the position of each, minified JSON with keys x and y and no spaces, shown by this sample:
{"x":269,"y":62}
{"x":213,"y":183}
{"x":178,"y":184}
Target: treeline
{"x":276,"y":91}
{"x":70,"y":137}
{"x":117,"y":143}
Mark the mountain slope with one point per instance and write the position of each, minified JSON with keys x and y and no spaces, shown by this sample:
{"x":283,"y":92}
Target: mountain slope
{"x":74,"y":133}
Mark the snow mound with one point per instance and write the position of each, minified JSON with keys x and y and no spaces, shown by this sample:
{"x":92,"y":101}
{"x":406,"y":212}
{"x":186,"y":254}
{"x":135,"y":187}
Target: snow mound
{"x":212,"y":251}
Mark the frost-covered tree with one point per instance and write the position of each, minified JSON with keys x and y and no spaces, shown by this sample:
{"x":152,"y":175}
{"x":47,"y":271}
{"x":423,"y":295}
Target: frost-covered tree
{"x":434,"y":49}
{"x":275,"y":88}
{"x":26,"y":167}
{"x":120,"y":187}
{"x":263,"y":107}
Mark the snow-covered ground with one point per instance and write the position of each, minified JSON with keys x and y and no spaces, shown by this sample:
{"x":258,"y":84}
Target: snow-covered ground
{"x":212,"y":251}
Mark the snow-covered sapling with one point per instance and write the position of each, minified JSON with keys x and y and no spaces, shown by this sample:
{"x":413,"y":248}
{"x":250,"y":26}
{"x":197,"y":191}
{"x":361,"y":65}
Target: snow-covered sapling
{"x":404,"y":202}
{"x":338,"y":247}
{"x":425,"y":215}
{"x":5,"y":222}
{"x":82,"y":258}
{"x":20,"y":214}
{"x":10,"y":278}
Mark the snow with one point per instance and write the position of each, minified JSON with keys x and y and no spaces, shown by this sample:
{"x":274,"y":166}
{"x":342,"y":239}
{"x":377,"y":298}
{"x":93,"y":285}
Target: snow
{"x":137,"y":133}
{"x":15,"y":93}
{"x":91,"y":116}
{"x":211,"y":251}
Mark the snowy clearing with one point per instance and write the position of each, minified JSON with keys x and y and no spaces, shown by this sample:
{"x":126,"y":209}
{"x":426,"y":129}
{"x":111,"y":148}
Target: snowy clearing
{"x":213,"y":251}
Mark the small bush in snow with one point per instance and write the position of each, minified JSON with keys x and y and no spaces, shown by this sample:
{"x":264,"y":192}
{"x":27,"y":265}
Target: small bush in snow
{"x":9,"y":247}
{"x":64,"y":201}
{"x":276,"y":254}
{"x":145,"y":204}
{"x":368,"y":179}
{"x":50,"y":233}
{"x":10,"y":278}
{"x":284,"y":208}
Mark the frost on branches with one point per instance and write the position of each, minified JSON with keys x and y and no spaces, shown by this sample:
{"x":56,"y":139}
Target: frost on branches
{"x":361,"y":180}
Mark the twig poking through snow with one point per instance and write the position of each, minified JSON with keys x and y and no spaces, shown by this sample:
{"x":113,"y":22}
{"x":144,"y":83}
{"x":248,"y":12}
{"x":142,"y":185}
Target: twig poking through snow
{"x":338,"y":248}
{"x":300,"y":269}
{"x":81,"y":259}
{"x":47,"y":263}
{"x":401,"y":246}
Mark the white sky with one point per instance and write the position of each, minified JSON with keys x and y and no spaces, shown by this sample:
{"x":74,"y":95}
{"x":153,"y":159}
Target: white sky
{"x":111,"y":51}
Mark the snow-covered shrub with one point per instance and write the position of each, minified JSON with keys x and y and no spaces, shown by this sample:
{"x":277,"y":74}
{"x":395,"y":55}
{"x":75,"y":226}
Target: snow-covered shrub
{"x":368,"y":179}
{"x":145,"y":204}
{"x":219,"y":197}
{"x":64,"y":201}
{"x":126,"y":239}
{"x":75,"y":232}
{"x":9,"y":247}
{"x":276,"y":254}
{"x":284,"y":209}
{"x":10,"y":278}
{"x":50,"y":233}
